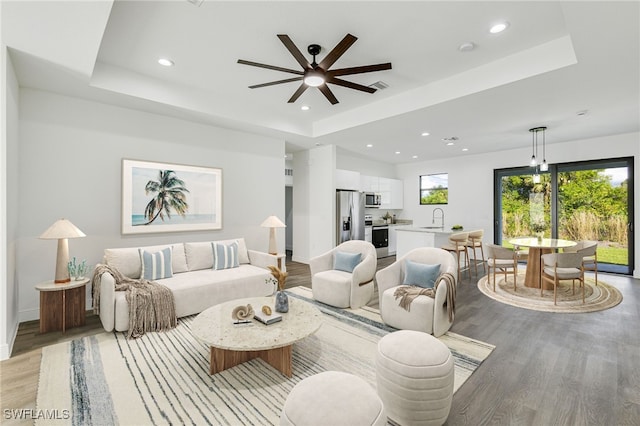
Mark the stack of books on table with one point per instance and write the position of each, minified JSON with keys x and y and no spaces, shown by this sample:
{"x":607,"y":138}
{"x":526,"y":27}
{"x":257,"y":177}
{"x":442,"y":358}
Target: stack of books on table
{"x":267,"y":319}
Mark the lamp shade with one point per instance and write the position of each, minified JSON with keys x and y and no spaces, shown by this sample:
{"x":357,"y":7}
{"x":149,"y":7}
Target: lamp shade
{"x":62,"y":228}
{"x":273,"y":222}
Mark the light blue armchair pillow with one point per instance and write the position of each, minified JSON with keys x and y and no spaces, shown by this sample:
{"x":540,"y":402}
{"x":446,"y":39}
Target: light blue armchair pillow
{"x":343,"y":261}
{"x":421,"y":274}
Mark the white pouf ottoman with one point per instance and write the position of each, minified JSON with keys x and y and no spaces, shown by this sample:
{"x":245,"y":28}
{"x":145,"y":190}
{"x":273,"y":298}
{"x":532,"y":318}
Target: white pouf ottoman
{"x":414,"y":372}
{"x":333,"y":398}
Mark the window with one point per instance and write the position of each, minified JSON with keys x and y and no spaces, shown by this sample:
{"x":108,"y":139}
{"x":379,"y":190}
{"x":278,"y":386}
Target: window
{"x":434,"y":189}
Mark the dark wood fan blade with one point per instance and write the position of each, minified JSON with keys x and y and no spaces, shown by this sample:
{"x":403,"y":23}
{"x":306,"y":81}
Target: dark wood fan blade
{"x":337,"y":51}
{"x":328,"y":94}
{"x":270,"y":67}
{"x":288,"y":43}
{"x":297,"y":93}
{"x":288,"y":80}
{"x":351,"y":85}
{"x":360,"y":70}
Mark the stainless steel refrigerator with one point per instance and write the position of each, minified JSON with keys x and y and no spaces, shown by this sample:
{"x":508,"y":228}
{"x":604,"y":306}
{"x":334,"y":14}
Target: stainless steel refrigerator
{"x":350,"y":216}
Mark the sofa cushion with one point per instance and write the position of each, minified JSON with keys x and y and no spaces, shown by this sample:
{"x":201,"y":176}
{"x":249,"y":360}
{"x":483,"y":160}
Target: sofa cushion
{"x":346,"y":262}
{"x":156,"y":265}
{"x":421,"y":274}
{"x":225,"y":255}
{"x":127,"y":260}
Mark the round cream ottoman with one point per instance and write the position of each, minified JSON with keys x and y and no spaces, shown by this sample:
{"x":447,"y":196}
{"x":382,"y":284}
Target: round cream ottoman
{"x":333,"y":398}
{"x":414,"y":372}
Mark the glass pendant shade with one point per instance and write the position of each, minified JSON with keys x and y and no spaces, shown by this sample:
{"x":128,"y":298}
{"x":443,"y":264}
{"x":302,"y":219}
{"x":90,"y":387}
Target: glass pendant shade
{"x":544,"y":166}
{"x":536,"y":178}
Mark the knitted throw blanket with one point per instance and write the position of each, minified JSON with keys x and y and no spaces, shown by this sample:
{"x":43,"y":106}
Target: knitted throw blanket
{"x":151,"y":305}
{"x":407,"y":293}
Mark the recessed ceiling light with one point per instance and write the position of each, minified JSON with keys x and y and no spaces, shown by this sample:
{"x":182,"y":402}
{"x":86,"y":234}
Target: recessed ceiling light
{"x":450,"y":144}
{"x":466,"y":47}
{"x":369,"y":145}
{"x":415,"y":156}
{"x":305,"y":107}
{"x":397,"y":152}
{"x":165,"y":62}
{"x":499,"y":27}
{"x":425,"y":134}
{"x":465,"y":149}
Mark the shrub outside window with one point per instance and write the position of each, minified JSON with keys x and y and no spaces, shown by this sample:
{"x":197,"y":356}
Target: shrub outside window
{"x":434,"y":189}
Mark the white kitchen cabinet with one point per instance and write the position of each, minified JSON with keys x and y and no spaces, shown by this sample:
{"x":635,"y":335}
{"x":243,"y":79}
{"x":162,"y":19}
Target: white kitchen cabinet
{"x":393,"y":238}
{"x":348,"y":180}
{"x":369,"y":183}
{"x":391,"y":190}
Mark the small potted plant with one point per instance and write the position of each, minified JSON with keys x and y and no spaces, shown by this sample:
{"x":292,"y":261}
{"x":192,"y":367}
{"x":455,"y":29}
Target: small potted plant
{"x":538,"y":227}
{"x":387,"y":217}
{"x":457,"y":228}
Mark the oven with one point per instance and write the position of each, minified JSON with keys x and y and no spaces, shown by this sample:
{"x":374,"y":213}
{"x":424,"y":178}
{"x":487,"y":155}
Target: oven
{"x":380,"y":240}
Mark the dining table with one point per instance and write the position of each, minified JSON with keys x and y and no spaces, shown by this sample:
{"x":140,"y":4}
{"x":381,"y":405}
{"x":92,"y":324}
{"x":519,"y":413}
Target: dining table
{"x":537,"y":247}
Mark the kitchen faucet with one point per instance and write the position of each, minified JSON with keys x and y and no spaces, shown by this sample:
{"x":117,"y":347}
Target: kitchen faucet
{"x":433,"y":217}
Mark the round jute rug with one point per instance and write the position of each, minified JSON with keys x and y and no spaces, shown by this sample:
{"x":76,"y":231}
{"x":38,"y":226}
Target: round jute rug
{"x":597,"y":298}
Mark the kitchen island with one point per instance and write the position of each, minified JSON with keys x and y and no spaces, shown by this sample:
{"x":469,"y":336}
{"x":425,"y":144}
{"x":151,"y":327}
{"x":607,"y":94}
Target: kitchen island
{"x":411,"y":237}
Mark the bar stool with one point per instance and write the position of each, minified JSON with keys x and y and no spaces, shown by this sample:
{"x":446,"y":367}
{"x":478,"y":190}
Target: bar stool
{"x":458,"y":244}
{"x":475,"y":242}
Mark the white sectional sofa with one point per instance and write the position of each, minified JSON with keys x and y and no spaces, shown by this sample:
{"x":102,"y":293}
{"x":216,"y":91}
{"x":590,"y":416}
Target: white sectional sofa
{"x":195,"y":285}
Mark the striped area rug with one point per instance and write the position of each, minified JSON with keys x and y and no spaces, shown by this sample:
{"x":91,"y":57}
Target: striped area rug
{"x":162,"y":378}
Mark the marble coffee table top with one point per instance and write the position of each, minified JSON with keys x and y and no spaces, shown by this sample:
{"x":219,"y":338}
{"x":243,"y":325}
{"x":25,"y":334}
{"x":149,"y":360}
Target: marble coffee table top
{"x":215,"y":327}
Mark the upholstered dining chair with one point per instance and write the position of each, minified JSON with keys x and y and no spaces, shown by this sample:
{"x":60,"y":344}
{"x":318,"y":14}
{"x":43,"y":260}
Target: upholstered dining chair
{"x":473,"y":243}
{"x":556,"y":267}
{"x":458,"y":244}
{"x":501,"y":259}
{"x":343,"y":276}
{"x":426,"y":314}
{"x":589,"y":251}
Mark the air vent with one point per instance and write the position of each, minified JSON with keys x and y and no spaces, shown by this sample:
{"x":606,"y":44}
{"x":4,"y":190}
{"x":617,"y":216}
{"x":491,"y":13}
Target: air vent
{"x":380,"y":85}
{"x":288,"y":172}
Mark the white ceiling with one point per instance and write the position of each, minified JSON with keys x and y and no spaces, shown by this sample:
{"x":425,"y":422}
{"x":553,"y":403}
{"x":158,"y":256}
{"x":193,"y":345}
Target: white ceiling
{"x":555,"y":59}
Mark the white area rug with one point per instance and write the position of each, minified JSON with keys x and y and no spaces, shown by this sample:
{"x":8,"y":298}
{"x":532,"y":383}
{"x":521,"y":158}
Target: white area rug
{"x":162,"y":378}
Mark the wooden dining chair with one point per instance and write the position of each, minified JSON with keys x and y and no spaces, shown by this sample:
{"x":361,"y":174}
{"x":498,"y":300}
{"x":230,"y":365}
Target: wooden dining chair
{"x":589,"y":251}
{"x":556,"y":267}
{"x":504,"y":260}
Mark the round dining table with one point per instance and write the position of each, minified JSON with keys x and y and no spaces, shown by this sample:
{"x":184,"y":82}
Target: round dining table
{"x":538,"y":247}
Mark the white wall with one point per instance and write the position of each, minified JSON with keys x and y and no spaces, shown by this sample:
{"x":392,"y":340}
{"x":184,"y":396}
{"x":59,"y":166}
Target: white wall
{"x":348,"y":161}
{"x":70,"y":164}
{"x":471,"y":180}
{"x":314,"y":202}
{"x":9,"y":105}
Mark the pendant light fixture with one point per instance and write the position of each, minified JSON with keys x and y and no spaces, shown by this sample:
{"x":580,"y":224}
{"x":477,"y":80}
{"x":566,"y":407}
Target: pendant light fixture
{"x":544,"y":166}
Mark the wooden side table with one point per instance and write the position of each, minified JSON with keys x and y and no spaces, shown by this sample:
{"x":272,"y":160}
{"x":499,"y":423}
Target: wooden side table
{"x":62,"y":306}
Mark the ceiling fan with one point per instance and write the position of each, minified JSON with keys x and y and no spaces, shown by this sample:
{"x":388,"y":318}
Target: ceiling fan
{"x":318,"y":75}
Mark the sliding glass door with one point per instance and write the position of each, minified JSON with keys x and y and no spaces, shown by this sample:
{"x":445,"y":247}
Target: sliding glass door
{"x":577,"y":201}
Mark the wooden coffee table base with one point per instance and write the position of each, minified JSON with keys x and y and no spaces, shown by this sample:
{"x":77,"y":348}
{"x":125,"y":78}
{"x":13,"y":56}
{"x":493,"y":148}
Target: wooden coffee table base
{"x":278,"y":358}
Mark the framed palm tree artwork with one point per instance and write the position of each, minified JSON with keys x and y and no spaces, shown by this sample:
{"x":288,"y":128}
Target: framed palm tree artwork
{"x":161,"y":197}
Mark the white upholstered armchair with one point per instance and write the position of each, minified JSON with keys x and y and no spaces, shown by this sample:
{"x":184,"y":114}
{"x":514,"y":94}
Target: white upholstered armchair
{"x":426,"y":314}
{"x":333,"y":284}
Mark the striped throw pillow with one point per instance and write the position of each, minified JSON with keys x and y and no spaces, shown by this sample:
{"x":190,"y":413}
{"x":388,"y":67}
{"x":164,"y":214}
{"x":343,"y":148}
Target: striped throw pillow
{"x":156,"y":266}
{"x":225,"y":255}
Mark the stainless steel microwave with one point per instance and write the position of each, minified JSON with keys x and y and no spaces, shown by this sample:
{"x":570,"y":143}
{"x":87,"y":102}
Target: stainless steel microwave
{"x":372,"y":199}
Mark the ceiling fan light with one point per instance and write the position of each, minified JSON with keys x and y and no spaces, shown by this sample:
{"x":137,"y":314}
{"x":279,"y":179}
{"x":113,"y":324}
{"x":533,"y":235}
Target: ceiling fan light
{"x":313,"y":79}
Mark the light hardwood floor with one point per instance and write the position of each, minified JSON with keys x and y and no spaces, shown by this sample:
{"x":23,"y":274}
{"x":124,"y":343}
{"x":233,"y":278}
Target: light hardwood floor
{"x":547,"y":369}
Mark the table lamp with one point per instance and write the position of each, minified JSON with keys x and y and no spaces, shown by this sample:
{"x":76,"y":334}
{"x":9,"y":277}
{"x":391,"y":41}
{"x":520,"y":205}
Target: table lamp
{"x":61,"y":230}
{"x":272,"y":222}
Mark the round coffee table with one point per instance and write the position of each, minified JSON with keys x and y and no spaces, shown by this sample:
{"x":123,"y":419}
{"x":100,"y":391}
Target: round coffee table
{"x":232,"y":344}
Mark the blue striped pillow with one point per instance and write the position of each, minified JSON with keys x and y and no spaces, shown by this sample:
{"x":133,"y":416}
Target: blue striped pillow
{"x":225,"y":256}
{"x":156,"y":266}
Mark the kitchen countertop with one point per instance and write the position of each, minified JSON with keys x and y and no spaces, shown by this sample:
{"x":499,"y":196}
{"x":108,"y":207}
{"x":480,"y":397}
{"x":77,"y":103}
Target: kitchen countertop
{"x":426,"y":230}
